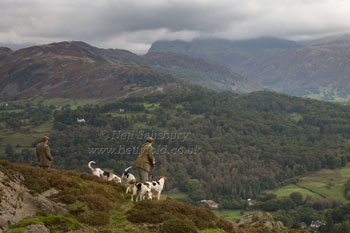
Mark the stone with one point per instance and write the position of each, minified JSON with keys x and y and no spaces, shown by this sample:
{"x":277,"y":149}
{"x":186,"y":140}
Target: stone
{"x":17,"y":202}
{"x":37,"y":228}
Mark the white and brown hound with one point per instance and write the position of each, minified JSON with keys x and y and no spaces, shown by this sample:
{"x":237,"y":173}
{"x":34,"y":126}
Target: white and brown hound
{"x":109,"y":176}
{"x":157,"y":185}
{"x":142,"y":190}
{"x":130,"y":178}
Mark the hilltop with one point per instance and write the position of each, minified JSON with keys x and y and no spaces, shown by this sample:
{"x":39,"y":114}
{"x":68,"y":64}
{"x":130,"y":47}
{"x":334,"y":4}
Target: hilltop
{"x":75,"y":69}
{"x":36,"y":200}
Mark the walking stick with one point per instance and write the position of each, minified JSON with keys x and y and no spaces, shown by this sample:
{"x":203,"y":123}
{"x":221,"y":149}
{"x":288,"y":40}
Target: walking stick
{"x":151,"y":170}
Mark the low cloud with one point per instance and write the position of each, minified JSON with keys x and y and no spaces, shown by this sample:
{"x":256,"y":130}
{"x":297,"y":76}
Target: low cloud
{"x":136,"y":24}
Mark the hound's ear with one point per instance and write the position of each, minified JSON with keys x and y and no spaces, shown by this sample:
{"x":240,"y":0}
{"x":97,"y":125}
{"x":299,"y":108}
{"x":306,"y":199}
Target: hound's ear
{"x":133,"y":181}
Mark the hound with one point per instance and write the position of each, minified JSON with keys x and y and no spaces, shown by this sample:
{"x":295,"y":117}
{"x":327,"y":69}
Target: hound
{"x":142,"y":190}
{"x":109,"y":176}
{"x":157,"y":185}
{"x":130,"y":178}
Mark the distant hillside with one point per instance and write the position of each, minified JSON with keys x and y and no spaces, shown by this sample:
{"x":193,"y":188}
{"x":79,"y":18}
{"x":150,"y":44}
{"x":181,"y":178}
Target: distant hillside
{"x":226,"y":52}
{"x":78,"y":70}
{"x":236,"y":146}
{"x":317,"y":69}
{"x":196,"y":70}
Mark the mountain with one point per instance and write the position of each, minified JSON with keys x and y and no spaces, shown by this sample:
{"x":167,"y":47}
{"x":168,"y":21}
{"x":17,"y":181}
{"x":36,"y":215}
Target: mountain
{"x":200,"y":71}
{"x":317,"y":69}
{"x":78,"y":70}
{"x":226,"y":52}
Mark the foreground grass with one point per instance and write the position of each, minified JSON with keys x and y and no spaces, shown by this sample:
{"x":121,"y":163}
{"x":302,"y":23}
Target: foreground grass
{"x":95,"y":205}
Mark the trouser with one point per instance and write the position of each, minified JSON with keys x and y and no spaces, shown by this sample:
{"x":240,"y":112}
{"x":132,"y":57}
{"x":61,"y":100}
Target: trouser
{"x":142,"y":175}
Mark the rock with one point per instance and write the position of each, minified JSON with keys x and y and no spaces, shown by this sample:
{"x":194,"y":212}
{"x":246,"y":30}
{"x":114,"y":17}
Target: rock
{"x":37,"y":228}
{"x":17,"y":202}
{"x":49,"y":193}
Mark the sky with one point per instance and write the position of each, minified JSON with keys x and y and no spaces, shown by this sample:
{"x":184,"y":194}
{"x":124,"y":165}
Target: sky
{"x":135,"y":24}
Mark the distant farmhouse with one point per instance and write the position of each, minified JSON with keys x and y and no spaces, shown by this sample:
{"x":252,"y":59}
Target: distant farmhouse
{"x":210,"y":203}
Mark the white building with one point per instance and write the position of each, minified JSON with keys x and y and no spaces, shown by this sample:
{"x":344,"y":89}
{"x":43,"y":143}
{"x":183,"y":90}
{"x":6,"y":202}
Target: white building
{"x":317,"y":224}
{"x":81,"y":120}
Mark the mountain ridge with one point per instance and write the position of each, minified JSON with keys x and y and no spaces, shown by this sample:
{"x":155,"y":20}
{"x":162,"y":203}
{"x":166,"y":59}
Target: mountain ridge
{"x":317,"y":69}
{"x":77,"y":69}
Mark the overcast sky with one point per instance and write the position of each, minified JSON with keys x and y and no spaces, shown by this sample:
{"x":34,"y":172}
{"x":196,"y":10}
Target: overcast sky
{"x":135,"y":24}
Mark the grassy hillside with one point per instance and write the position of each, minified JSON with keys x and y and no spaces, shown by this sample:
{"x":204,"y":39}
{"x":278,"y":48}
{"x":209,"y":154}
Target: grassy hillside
{"x":94,"y":205}
{"x":329,"y":183}
{"x":78,"y":70}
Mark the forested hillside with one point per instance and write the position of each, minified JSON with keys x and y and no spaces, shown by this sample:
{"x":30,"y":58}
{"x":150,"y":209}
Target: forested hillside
{"x":236,"y":145}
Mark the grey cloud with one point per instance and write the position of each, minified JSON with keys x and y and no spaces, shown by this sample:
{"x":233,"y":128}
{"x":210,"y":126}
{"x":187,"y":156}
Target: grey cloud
{"x":135,"y":24}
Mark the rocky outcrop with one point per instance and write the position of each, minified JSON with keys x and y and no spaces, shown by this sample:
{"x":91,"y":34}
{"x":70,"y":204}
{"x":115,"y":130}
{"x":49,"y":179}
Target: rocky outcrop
{"x":17,"y":202}
{"x":261,"y":219}
{"x":37,"y":228}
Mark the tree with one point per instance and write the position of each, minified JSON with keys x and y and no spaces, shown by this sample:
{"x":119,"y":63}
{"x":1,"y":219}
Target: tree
{"x":9,"y":150}
{"x":343,"y":161}
{"x":297,"y":198}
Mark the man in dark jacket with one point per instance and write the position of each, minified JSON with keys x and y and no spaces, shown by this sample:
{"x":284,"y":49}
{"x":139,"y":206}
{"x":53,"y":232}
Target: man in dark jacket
{"x":145,"y":160}
{"x":43,"y":153}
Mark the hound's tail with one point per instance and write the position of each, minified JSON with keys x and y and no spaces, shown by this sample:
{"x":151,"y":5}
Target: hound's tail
{"x":127,"y":169}
{"x":89,"y":165}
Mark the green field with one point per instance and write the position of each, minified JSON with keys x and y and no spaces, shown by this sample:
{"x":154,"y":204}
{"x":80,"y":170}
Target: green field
{"x":285,"y":191}
{"x":151,"y":107}
{"x":21,"y":138}
{"x":12,"y":110}
{"x":326,"y":182}
{"x":231,"y":214}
